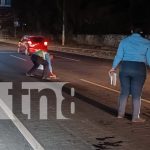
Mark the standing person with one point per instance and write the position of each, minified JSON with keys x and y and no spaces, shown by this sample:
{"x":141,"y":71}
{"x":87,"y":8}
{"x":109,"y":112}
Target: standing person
{"x":38,"y":58}
{"x":133,"y":54}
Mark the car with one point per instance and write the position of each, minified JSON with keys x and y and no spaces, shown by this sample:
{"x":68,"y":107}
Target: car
{"x":32,"y":43}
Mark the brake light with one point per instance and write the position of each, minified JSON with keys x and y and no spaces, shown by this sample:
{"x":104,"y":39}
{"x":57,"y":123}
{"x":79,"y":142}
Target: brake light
{"x":29,"y":42}
{"x":45,"y":43}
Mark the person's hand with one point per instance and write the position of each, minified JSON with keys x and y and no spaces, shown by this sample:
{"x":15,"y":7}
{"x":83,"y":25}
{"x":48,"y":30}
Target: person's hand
{"x":112,"y":70}
{"x":51,"y":57}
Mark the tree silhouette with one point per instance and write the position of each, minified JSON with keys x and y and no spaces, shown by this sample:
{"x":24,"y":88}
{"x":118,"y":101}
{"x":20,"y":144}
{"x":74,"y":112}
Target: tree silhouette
{"x":82,"y":16}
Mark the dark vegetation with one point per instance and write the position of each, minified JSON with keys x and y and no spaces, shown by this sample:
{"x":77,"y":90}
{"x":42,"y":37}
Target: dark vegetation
{"x":81,"y":16}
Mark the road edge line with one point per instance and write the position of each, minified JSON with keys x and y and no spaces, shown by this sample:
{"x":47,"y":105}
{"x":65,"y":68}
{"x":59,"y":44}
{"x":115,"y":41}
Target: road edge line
{"x":110,"y":89}
{"x":67,"y":58}
{"x":27,"y":135}
{"x":18,"y":57}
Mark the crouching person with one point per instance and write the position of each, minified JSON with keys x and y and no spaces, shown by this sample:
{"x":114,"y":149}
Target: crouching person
{"x":38,"y":58}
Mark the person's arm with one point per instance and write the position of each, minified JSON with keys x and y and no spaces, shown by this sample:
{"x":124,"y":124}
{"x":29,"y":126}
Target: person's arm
{"x":148,"y":57}
{"x":119,"y":55}
{"x":117,"y":58}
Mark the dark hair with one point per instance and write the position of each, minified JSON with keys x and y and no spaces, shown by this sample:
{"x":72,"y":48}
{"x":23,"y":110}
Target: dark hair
{"x":137,"y":30}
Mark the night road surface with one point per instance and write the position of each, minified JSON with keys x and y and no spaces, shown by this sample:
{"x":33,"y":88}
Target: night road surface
{"x":93,"y":125}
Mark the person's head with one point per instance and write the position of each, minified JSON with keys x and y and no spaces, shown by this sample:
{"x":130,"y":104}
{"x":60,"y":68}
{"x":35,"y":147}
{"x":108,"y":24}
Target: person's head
{"x":137,"y":30}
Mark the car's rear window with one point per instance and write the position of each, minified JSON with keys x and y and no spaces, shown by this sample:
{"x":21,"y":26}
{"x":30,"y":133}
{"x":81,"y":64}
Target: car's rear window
{"x":37,"y":39}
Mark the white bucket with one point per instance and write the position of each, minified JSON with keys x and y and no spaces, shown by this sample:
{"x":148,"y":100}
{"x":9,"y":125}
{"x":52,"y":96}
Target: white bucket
{"x":41,"y":67}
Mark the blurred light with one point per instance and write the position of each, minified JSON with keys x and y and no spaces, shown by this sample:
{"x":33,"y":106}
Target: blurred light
{"x":45,"y":43}
{"x":29,"y":42}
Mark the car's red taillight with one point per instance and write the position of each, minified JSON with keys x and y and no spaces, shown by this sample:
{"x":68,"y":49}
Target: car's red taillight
{"x":45,"y":43}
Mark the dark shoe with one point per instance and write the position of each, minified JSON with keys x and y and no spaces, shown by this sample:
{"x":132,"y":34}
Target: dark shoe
{"x":29,"y":75}
{"x":138,"y":120}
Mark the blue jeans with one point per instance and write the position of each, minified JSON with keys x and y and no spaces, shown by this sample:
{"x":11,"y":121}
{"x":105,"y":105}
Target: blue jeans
{"x":132,"y":77}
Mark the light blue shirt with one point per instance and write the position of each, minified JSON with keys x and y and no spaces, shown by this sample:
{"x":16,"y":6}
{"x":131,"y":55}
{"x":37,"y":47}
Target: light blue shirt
{"x":47,"y":57}
{"x":133,"y":48}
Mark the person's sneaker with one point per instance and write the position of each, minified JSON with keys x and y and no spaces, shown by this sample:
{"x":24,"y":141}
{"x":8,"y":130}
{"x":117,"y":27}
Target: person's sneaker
{"x":138,"y":120}
{"x":120,"y":117}
{"x":29,"y":75}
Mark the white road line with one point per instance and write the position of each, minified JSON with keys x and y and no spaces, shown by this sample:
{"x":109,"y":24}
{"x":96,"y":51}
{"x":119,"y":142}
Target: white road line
{"x":28,"y":136}
{"x":74,"y":48}
{"x":107,"y":88}
{"x":18,"y":57}
{"x":145,"y":100}
{"x":68,"y":58}
{"x":110,"y":89}
{"x":8,"y":52}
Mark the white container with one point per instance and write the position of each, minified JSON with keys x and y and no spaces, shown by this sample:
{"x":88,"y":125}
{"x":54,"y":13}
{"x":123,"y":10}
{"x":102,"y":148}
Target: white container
{"x":41,"y":67}
{"x":113,"y":78}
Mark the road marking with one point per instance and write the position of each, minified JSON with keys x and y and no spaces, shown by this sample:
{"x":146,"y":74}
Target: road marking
{"x":68,"y":58}
{"x":74,"y":48}
{"x":107,"y":88}
{"x":8,"y":52}
{"x":28,"y":136}
{"x":145,"y":100}
{"x":110,"y":89}
{"x":18,"y":57}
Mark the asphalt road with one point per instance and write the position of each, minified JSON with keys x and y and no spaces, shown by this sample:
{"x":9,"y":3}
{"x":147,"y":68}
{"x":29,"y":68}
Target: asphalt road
{"x":88,"y":101}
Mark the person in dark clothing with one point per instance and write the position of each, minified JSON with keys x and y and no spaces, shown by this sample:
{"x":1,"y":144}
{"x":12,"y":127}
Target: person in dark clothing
{"x":38,"y":59}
